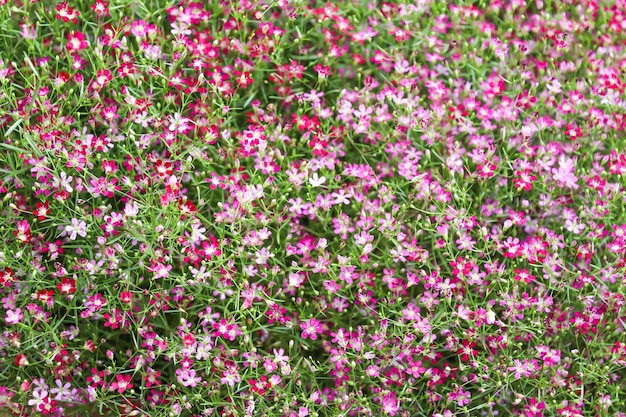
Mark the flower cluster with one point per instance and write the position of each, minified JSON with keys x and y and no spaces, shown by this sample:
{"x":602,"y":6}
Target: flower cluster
{"x":289,"y":208}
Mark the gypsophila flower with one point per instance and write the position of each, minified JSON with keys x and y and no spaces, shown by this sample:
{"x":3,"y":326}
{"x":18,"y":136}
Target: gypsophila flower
{"x":311,"y":329}
{"x":76,"y":228}
{"x":13,"y":316}
{"x":564,"y":174}
{"x":121,"y":383}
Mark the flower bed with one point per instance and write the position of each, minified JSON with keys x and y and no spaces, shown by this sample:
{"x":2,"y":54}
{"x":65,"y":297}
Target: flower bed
{"x":297,"y":208}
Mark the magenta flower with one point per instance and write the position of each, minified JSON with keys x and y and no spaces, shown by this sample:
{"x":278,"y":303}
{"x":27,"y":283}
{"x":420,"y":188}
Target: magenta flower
{"x":121,"y":384}
{"x":311,"y":328}
{"x":390,"y":404}
{"x":76,"y":41}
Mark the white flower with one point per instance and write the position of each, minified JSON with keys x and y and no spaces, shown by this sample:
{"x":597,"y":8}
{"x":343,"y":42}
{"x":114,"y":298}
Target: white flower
{"x":316,"y":180}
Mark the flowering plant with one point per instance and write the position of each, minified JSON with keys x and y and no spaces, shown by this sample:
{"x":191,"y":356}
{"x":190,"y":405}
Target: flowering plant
{"x":297,"y":208}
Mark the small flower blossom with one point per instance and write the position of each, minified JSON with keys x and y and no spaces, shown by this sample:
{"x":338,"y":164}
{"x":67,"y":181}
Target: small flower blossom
{"x":13,"y":316}
{"x":311,"y":329}
{"x":564,"y":174}
{"x":76,"y":228}
{"x":121,"y":383}
{"x":76,"y":42}
{"x":100,"y":8}
{"x":66,"y":13}
{"x":178,"y":123}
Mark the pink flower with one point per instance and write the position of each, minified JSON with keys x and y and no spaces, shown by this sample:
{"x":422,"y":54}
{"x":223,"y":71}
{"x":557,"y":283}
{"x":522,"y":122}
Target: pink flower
{"x":178,"y":123}
{"x":390,"y":404}
{"x":231,"y":376}
{"x":67,"y":13}
{"x":76,"y":41}
{"x":121,"y":384}
{"x":76,"y":228}
{"x":23,"y":231}
{"x":14,"y":317}
{"x":187,"y":377}
{"x":534,"y":408}
{"x":101,"y":8}
{"x":311,"y":328}
{"x":160,"y":270}
{"x":565,"y":173}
